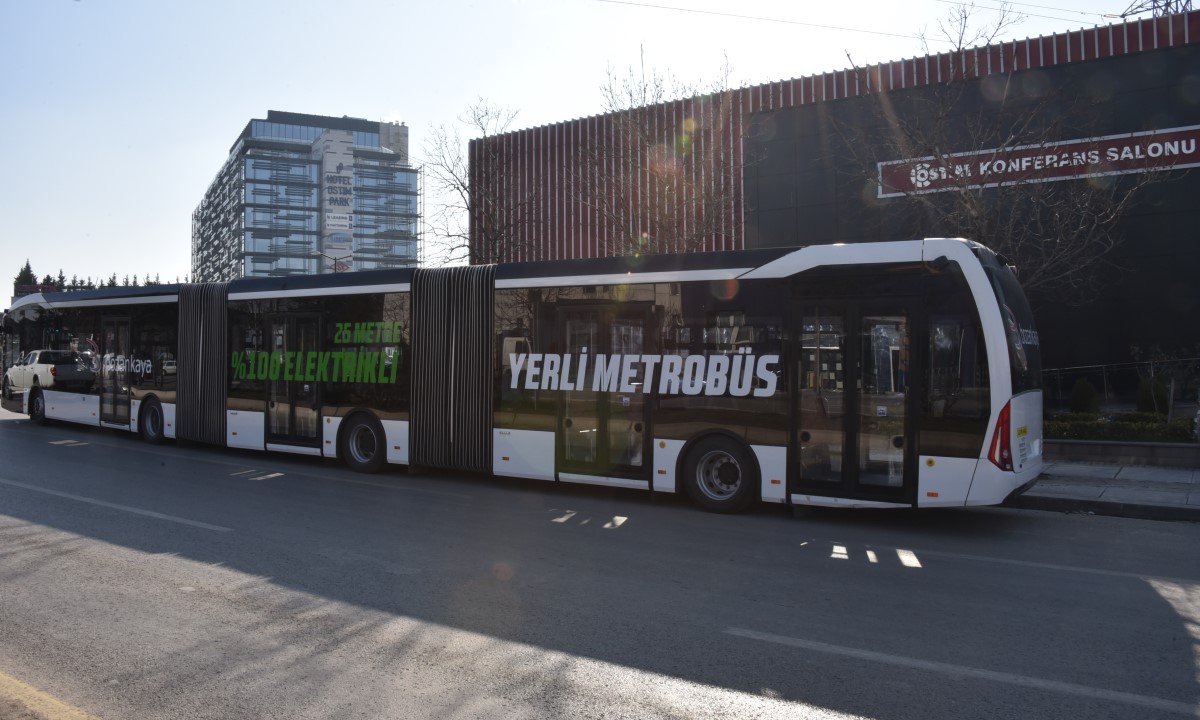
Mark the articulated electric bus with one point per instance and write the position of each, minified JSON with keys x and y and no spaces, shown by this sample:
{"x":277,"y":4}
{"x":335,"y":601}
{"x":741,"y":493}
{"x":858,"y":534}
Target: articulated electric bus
{"x":894,"y":374}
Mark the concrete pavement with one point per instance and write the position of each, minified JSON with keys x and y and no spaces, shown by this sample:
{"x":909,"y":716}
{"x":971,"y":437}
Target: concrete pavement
{"x":1155,"y":493}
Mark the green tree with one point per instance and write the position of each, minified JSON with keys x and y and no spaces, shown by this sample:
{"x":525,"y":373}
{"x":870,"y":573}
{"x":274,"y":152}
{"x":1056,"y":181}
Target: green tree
{"x":26,"y":276}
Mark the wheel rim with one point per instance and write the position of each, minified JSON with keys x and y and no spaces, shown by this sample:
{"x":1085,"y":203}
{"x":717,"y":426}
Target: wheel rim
{"x":718,"y":475}
{"x":153,"y":420}
{"x":362,"y":444}
{"x":37,"y":408}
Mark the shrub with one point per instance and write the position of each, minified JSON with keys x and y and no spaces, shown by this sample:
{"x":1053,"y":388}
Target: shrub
{"x":1069,"y":417}
{"x":1084,"y":398}
{"x":1132,"y":427}
{"x":1138,"y":417}
{"x":1182,"y":429}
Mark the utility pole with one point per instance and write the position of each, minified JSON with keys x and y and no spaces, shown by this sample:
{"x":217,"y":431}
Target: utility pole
{"x":1158,"y":7}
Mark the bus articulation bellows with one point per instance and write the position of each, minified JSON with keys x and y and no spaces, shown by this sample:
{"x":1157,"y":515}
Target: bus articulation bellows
{"x":894,"y":374}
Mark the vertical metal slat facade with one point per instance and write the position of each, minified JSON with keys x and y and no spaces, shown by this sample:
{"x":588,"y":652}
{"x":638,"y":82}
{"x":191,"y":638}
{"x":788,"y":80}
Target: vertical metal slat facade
{"x":547,"y":151}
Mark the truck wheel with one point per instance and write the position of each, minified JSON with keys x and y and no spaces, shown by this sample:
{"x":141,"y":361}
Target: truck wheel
{"x":364,"y":447}
{"x":7,"y":389}
{"x":37,"y":406}
{"x":720,"y":476}
{"x":150,"y":422}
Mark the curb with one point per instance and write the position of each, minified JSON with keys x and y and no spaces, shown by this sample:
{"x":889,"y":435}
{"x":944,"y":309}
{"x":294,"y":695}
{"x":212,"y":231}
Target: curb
{"x":1171,"y":513}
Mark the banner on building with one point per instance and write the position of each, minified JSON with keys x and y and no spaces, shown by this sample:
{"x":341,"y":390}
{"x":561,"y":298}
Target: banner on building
{"x":1167,"y":149}
{"x":339,"y":222}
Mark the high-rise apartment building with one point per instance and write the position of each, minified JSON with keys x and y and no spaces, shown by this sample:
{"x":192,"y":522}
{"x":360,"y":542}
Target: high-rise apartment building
{"x":306,"y":194}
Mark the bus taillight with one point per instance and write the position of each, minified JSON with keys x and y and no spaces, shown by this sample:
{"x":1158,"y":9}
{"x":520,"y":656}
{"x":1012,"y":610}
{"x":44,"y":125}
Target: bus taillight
{"x":1001,"y":452}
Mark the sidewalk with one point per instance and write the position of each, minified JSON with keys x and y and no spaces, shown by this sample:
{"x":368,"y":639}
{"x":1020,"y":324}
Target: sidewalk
{"x":1153,"y":493}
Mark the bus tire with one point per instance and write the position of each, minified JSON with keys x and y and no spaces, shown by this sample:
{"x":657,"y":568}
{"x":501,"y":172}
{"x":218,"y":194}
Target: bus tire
{"x":720,"y":475}
{"x":150,"y":422}
{"x":37,"y":406}
{"x":364,"y":447}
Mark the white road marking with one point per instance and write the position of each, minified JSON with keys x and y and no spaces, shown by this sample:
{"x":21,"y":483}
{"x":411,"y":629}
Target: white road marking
{"x":1092,"y":693}
{"x":115,"y":506}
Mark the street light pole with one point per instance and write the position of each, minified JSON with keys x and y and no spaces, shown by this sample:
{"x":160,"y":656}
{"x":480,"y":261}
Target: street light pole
{"x":337,"y":261}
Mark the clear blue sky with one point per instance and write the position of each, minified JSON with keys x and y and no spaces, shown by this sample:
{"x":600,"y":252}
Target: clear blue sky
{"x":117,"y":114}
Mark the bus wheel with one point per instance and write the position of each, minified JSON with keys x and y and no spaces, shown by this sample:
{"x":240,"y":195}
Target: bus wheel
{"x":364,"y":448}
{"x":720,"y":476}
{"x":150,"y":422}
{"x":37,"y":406}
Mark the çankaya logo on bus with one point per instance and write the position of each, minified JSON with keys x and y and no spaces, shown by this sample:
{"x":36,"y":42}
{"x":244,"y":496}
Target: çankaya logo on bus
{"x":734,"y":375}
{"x":120,"y":364}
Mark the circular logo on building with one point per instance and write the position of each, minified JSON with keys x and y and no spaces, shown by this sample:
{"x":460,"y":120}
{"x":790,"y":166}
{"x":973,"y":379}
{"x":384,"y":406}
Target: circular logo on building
{"x":920,"y":175}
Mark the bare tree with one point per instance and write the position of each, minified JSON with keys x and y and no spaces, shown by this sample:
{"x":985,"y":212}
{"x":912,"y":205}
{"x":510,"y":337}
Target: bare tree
{"x":1059,"y":230}
{"x":475,"y":211}
{"x":661,"y":178}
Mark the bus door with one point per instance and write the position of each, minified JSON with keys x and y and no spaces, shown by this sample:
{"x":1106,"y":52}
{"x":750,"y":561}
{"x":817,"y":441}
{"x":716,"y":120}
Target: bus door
{"x":115,"y":371}
{"x":293,"y":400}
{"x":855,"y":431}
{"x":602,"y":431}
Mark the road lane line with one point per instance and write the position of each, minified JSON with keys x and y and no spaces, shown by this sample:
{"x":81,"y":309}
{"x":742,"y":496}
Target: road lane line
{"x":39,"y":702}
{"x":115,"y":506}
{"x":1092,"y":693}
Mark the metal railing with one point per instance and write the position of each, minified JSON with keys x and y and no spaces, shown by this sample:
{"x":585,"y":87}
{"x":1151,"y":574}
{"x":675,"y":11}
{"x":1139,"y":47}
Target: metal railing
{"x":1118,"y":385}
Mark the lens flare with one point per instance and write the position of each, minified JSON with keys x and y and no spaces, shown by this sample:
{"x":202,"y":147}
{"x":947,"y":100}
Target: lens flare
{"x":724,"y":289}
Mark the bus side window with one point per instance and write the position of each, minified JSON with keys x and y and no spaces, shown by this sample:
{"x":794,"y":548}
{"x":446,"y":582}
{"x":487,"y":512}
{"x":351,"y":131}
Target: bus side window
{"x":956,"y":405}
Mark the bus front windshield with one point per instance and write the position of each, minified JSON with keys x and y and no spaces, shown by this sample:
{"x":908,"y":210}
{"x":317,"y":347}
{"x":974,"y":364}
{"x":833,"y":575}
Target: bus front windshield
{"x":1024,"y":346}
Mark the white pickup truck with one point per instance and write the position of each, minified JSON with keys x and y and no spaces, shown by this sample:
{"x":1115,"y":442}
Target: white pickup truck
{"x":58,"y":369}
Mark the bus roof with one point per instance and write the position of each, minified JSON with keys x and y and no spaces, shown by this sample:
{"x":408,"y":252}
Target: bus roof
{"x":650,"y":268}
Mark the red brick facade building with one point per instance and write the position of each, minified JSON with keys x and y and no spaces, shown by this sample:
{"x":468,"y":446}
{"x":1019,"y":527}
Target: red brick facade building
{"x":669,"y":177}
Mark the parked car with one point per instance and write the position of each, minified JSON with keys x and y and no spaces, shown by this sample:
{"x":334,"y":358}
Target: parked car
{"x":58,"y":369}
{"x":168,"y":367}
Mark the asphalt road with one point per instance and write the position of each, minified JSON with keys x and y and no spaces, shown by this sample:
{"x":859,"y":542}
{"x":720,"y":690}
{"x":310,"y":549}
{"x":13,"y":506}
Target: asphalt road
{"x":191,"y":582}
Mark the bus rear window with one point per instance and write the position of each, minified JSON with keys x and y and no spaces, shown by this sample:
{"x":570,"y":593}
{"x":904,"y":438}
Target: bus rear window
{"x":1024,"y":346}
